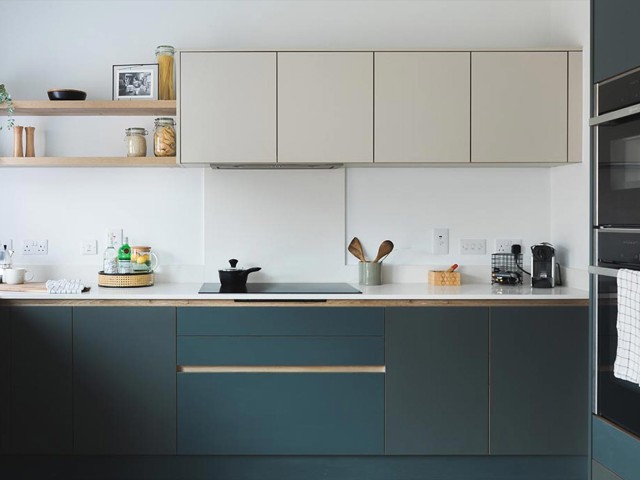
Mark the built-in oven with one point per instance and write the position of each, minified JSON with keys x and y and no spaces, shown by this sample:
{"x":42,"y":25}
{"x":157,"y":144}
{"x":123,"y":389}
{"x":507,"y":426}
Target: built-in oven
{"x":617,"y":400}
{"x":617,"y":151}
{"x":616,"y":235}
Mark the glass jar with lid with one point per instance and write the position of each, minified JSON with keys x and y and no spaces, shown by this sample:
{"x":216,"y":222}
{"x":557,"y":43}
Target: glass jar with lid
{"x":164,"y":57}
{"x":136,"y":142}
{"x":164,"y":137}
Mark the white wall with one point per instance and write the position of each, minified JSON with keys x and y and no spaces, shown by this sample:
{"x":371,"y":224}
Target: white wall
{"x":188,"y":213}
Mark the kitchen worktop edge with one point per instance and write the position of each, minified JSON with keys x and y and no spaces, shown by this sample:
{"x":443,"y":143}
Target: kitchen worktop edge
{"x":390,"y":294}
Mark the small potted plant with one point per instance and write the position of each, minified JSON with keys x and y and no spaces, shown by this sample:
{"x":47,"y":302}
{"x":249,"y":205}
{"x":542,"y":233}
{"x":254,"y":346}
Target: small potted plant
{"x":5,"y":98}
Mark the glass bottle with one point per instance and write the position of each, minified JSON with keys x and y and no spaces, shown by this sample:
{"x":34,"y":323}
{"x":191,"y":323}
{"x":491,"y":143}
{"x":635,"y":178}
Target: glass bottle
{"x":136,"y":143}
{"x":164,"y":137}
{"x":124,"y":257}
{"x":164,"y":57}
{"x":110,"y":258}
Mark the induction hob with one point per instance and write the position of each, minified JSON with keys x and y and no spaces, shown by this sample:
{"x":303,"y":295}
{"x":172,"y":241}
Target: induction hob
{"x":284,"y":288}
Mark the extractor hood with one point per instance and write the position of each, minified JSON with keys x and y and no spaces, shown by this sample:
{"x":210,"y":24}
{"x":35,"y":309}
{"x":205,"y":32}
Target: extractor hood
{"x":275,"y":166}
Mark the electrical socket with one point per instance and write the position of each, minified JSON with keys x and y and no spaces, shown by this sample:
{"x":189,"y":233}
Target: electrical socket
{"x":89,"y":247}
{"x":35,"y":247}
{"x":440,"y":241}
{"x":473,"y":247}
{"x":503,"y":245}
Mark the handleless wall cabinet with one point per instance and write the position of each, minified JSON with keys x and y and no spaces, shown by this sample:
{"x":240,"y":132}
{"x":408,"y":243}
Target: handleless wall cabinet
{"x":519,"y":107}
{"x":325,"y":107}
{"x":422,"y":107}
{"x":227,"y":107}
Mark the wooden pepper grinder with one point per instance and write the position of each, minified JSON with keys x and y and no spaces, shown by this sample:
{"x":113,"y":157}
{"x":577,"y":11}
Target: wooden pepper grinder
{"x":17,"y":141}
{"x":31,"y":149}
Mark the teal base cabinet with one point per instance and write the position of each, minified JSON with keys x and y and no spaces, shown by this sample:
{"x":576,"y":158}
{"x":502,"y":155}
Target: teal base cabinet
{"x":437,"y":381}
{"x":539,"y":381}
{"x":271,"y":412}
{"x":616,"y":453}
{"x":215,"y":467}
{"x":41,"y":380}
{"x":5,"y":378}
{"x":124,"y":363}
{"x":281,"y":414}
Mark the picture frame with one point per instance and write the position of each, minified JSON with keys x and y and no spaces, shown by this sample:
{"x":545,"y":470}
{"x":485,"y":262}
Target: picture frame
{"x":135,"y":82}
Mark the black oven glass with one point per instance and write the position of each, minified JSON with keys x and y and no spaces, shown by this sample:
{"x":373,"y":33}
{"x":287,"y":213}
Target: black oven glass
{"x":619,"y":173}
{"x":618,"y":400}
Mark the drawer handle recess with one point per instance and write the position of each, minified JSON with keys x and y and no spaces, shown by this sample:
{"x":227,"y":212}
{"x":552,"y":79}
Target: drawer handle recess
{"x":281,"y":369}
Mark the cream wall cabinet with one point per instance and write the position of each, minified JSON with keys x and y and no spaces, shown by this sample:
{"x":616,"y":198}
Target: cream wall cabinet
{"x":430,"y":107}
{"x":227,"y":107}
{"x":422,"y":107}
{"x":325,"y":107}
{"x":519,"y":107}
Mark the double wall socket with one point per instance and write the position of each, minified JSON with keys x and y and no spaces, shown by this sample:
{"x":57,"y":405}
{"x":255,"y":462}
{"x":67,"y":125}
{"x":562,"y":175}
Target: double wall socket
{"x":35,"y":247}
{"x":503,"y":245}
{"x":440,"y":241}
{"x":473,"y":247}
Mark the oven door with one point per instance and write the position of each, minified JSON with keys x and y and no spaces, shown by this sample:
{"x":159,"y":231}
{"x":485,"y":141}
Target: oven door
{"x":618,"y":172}
{"x":616,"y":400}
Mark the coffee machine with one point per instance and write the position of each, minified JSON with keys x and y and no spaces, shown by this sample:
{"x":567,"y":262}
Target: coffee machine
{"x":543,"y":265}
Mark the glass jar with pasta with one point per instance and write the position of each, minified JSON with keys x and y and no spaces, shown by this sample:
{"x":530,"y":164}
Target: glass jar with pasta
{"x":164,"y":57}
{"x":164,"y":137}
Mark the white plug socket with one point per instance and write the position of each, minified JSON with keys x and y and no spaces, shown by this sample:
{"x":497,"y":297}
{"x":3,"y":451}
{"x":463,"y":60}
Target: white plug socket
{"x":440,"y":241}
{"x":503,"y":245}
{"x":35,"y":247}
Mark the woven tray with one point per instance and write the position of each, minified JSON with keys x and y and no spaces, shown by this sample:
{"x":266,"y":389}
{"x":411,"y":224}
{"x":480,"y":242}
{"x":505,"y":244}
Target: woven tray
{"x":125,"y":280}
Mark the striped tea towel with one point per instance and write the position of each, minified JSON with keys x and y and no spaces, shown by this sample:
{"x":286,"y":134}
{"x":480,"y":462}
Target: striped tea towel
{"x":627,"y":363}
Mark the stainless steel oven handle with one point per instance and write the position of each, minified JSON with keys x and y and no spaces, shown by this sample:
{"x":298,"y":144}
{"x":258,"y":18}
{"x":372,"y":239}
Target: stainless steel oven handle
{"x":615,"y":115}
{"x":605,"y":272}
{"x":617,"y":230}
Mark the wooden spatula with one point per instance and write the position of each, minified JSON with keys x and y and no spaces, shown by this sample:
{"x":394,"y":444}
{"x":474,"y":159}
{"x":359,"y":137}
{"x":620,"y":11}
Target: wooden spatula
{"x":355,"y":248}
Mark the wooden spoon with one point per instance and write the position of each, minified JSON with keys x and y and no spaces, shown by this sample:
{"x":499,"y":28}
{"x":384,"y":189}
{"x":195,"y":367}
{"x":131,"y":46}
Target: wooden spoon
{"x":385,"y":249}
{"x":355,"y":248}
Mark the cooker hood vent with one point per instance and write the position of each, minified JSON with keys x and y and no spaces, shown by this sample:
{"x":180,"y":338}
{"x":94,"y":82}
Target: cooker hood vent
{"x":275,"y":166}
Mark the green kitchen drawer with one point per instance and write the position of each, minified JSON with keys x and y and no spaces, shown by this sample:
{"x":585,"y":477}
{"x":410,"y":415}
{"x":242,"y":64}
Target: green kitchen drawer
{"x":279,"y":321}
{"x":281,"y":413}
{"x":250,"y":350}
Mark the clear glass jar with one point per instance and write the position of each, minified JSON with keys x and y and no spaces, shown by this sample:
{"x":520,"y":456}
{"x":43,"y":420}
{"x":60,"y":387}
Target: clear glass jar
{"x":164,"y":137}
{"x":136,"y":142}
{"x":166,"y":82}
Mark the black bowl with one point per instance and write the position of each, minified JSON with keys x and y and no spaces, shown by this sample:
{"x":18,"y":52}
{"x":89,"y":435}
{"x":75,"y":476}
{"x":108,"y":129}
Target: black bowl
{"x":66,"y":94}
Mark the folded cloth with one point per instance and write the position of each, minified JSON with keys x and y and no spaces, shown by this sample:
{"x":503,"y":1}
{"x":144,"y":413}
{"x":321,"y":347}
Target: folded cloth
{"x":65,"y":286}
{"x":627,"y":363}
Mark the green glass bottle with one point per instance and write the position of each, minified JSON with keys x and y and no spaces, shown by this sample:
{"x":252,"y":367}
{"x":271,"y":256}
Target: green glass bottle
{"x":124,"y":257}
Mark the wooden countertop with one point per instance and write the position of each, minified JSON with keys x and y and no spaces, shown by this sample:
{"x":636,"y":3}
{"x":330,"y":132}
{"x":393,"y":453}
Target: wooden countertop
{"x":390,"y":295}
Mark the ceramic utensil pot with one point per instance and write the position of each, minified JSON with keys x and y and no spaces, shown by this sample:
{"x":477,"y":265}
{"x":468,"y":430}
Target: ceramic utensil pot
{"x":235,"y":279}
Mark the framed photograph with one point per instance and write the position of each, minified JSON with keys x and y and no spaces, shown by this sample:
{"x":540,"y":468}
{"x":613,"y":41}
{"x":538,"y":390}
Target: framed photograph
{"x":135,"y":82}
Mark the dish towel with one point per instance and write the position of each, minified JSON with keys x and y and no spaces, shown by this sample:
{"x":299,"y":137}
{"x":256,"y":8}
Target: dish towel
{"x":627,"y":364}
{"x":65,"y":286}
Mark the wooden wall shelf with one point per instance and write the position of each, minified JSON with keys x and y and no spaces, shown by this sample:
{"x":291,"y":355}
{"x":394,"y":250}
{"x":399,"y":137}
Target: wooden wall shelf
{"x":92,"y":108}
{"x":88,"y":162}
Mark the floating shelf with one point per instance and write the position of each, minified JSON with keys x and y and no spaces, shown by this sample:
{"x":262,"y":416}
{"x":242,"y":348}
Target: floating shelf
{"x":88,"y":162}
{"x":92,"y":108}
